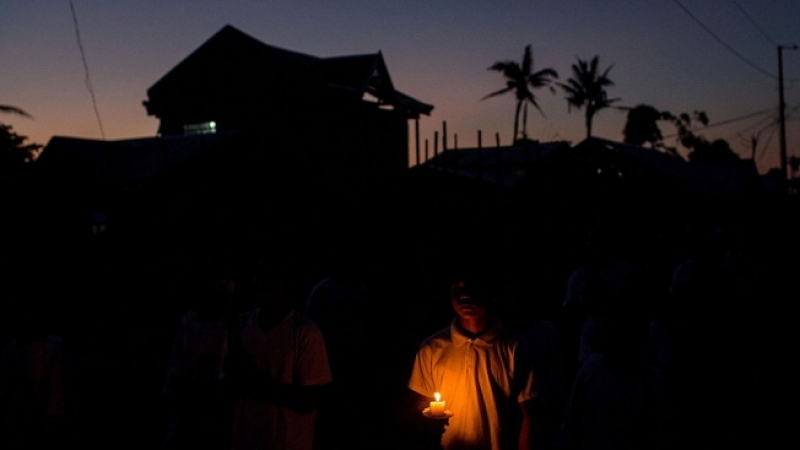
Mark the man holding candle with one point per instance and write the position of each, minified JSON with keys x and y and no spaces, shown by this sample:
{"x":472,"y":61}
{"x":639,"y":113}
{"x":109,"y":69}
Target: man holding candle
{"x":481,"y":369}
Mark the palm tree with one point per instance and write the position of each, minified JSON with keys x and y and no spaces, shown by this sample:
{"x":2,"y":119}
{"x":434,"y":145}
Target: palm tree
{"x":522,"y":80}
{"x":587,"y":87}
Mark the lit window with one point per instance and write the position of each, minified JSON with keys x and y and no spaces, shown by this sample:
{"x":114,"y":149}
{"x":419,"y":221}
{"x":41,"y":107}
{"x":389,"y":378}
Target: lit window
{"x":99,"y":222}
{"x":200,"y":128}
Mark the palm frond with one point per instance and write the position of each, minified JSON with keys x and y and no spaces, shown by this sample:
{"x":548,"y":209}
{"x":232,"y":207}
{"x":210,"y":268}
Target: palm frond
{"x":499,"y":92}
{"x":521,"y":80}
{"x":14,"y":110}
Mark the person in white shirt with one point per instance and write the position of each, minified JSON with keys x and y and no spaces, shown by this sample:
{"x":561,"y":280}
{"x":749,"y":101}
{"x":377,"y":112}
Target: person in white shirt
{"x":482,"y":370}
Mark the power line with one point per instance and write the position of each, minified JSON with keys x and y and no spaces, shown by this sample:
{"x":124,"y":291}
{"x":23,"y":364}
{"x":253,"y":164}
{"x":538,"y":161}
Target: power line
{"x":750,"y":18}
{"x":86,"y":70}
{"x":766,"y":145}
{"x":753,"y":141}
{"x":773,"y":122}
{"x":724,"y":44}
{"x":737,"y":119}
{"x":729,"y":121}
{"x":768,"y":122}
{"x":772,"y":127}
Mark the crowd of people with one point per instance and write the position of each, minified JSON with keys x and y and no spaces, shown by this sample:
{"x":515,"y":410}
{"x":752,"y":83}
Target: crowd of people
{"x":638,"y":353}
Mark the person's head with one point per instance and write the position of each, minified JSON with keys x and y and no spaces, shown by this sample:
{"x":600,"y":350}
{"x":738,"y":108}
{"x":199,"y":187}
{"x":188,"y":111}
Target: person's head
{"x":473,"y":294}
{"x":223,"y":276}
{"x":277,"y":286}
{"x":216,"y":288}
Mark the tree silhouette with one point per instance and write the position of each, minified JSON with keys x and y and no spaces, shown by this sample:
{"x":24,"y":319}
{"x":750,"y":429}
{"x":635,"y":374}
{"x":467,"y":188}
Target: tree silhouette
{"x":587,"y":88}
{"x":642,"y":125}
{"x":684,"y":124}
{"x":717,"y":150}
{"x":13,"y":148}
{"x":700,"y":148}
{"x":522,"y":81}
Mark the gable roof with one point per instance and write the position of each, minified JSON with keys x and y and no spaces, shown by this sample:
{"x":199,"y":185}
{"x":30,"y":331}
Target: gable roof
{"x":233,"y":57}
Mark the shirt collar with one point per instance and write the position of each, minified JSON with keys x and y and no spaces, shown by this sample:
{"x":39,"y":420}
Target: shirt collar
{"x":486,"y":339}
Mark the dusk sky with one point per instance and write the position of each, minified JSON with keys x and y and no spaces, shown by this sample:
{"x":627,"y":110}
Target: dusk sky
{"x":718,"y":56}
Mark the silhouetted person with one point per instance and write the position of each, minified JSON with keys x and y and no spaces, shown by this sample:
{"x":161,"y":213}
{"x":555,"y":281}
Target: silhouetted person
{"x":199,"y":411}
{"x":277,"y":364}
{"x":618,"y":399}
{"x":704,"y":333}
{"x":339,"y":303}
{"x":604,"y":275}
{"x":547,"y":351}
{"x":36,"y":402}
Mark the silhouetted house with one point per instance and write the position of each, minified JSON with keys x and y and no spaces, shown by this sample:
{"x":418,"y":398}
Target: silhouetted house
{"x":99,"y":220}
{"x":526,"y":192}
{"x":652,"y":176}
{"x":474,"y":199}
{"x":330,"y":121}
{"x":506,"y":165}
{"x":597,"y":174}
{"x":252,"y":140}
{"x":144,"y":186}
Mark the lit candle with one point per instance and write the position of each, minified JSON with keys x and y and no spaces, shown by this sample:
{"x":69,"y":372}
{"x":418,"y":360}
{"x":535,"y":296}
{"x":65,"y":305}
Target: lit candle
{"x":437,"y":406}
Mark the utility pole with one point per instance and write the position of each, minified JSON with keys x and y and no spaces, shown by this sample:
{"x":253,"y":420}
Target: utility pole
{"x":781,"y":107}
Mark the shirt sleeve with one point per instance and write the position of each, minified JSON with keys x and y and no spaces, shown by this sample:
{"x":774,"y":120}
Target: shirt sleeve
{"x":524,"y":374}
{"x":420,"y":380}
{"x":574,"y":291}
{"x":312,"y":361}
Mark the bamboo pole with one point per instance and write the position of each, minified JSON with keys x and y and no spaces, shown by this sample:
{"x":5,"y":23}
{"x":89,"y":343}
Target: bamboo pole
{"x":480,"y":156}
{"x":444,"y":136}
{"x":416,"y":138}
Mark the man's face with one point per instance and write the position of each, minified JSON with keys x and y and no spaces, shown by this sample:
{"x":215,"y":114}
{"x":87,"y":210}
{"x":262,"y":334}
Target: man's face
{"x":466,"y":303}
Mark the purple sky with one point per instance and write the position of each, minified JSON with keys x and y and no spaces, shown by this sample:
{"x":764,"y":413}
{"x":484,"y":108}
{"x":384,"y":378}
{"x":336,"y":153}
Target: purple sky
{"x":717,"y":56}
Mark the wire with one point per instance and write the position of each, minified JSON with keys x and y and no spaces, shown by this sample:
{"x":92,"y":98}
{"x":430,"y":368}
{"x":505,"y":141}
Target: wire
{"x":728,"y":121}
{"x":730,"y":49}
{"x":736,"y":119}
{"x":766,"y":145}
{"x":86,"y":70}
{"x":760,"y":30}
{"x":772,"y":125}
{"x":761,"y":125}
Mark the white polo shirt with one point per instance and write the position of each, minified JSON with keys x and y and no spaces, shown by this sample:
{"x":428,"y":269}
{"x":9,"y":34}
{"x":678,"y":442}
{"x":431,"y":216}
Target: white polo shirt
{"x":482,"y":382}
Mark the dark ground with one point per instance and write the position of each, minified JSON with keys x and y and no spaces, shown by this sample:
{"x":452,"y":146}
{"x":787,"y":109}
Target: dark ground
{"x":116,"y":308}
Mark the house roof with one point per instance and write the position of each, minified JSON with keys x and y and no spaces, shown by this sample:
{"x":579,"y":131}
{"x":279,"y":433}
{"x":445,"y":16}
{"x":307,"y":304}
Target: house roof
{"x":499,"y":165}
{"x":710,"y":179}
{"x":234,"y":57}
{"x":484,"y":162}
{"x":120,"y":162}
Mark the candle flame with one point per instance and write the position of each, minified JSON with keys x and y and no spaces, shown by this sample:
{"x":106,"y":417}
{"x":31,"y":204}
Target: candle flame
{"x":437,"y":395}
